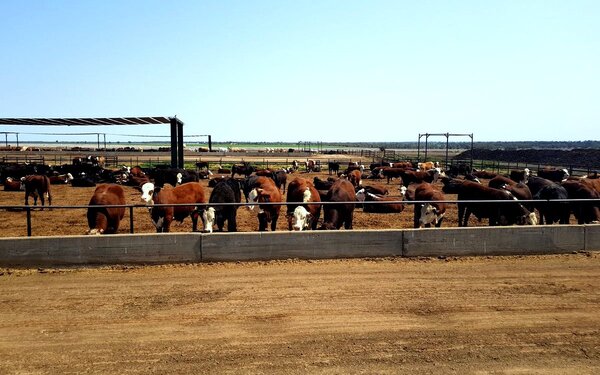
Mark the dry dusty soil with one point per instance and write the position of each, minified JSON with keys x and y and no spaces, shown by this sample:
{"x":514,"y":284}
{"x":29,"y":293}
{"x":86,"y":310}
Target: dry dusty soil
{"x":509,"y":315}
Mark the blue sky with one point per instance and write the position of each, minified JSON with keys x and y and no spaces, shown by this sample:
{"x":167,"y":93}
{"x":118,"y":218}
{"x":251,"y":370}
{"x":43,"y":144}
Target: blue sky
{"x":308,"y":70}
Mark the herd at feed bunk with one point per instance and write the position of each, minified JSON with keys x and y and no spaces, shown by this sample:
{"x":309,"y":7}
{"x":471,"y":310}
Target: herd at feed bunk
{"x":326,"y":202}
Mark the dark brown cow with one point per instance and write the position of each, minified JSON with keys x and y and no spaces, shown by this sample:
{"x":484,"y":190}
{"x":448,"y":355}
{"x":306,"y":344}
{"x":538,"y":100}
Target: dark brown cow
{"x":498,"y":213}
{"x":520,"y":190}
{"x":61,"y":179}
{"x":37,"y":185}
{"x":191,"y":192}
{"x":106,"y":220}
{"x":336,"y":215}
{"x":302,"y":216}
{"x":379,"y":190}
{"x":426,"y":214}
{"x":391,"y":173}
{"x":585,"y":212}
{"x":265,"y":191}
{"x":553,"y":174}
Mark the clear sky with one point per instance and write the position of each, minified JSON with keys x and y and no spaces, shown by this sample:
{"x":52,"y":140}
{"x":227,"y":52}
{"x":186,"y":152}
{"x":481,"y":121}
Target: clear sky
{"x":317,"y":70}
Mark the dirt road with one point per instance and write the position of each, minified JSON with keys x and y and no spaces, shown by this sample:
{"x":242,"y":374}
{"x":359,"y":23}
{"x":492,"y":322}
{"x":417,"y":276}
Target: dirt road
{"x":471,"y":315}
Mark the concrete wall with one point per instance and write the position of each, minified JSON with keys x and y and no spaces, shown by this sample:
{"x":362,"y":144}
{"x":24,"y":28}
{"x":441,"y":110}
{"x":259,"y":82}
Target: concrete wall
{"x":196,"y":247}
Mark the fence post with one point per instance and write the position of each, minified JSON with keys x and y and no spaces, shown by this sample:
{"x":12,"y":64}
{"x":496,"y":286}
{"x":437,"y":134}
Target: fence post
{"x":131,"y":219}
{"x":28,"y":209}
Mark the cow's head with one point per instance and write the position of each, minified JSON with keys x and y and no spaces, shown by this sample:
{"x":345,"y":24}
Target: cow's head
{"x":300,"y":218}
{"x":437,"y":173}
{"x":148,"y":191}
{"x":361,"y":195}
{"x":208,"y":219}
{"x":254,"y":197}
{"x":179,"y":178}
{"x":429,"y":215}
{"x":68,"y":178}
{"x":403,"y":190}
{"x":565,"y":174}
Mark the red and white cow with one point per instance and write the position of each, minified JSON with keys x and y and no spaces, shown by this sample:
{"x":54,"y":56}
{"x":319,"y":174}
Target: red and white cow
{"x":302,"y":216}
{"x":162,"y":216}
{"x":265,"y":191}
{"x":37,"y":186}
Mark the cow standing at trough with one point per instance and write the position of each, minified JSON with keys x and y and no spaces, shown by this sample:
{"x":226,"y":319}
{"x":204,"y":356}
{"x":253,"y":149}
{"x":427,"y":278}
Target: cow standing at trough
{"x":106,"y":220}
{"x":497,"y":213}
{"x":586,"y":212}
{"x":336,"y":215}
{"x":225,"y":191}
{"x":426,"y":214}
{"x":551,"y":211}
{"x":191,"y":192}
{"x":37,"y":186}
{"x":265,"y":191}
{"x":302,"y":215}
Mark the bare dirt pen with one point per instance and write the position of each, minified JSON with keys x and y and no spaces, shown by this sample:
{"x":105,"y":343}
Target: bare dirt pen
{"x":515,"y":315}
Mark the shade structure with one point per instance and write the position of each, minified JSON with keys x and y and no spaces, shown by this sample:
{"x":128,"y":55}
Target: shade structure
{"x":176,"y":126}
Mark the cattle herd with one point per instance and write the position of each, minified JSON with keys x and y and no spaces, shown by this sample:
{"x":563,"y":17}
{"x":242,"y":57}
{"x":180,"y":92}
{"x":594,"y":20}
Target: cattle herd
{"x":520,"y":198}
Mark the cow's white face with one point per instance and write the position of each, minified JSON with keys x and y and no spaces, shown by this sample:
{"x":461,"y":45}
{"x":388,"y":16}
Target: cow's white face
{"x":429,"y":215}
{"x":95,"y":231}
{"x":437,"y":173}
{"x":531,"y":219}
{"x":360,"y":195}
{"x":69,"y":178}
{"x":403,"y":190}
{"x":208,"y":218}
{"x":300,"y":219}
{"x":147,"y":192}
{"x":566,"y":175}
{"x":252,"y":198}
{"x":306,"y":195}
{"x":179,"y":178}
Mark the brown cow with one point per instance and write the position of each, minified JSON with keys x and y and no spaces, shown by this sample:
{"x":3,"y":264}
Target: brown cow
{"x":427,"y":165}
{"x":354,"y":177}
{"x":389,"y":204}
{"x":37,"y":185}
{"x":305,"y":216}
{"x":585,"y":212}
{"x":106,"y":220}
{"x":418,"y":177}
{"x":11,"y":185}
{"x":265,"y":191}
{"x":190,"y":192}
{"x":426,"y":214}
{"x":340,"y":214}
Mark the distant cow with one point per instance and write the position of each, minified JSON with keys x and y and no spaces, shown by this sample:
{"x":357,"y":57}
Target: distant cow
{"x":244,"y":169}
{"x":225,"y":191}
{"x":484,"y":174}
{"x":309,"y":165}
{"x":37,"y":186}
{"x":322,"y":184}
{"x":83,"y":180}
{"x":106,"y":220}
{"x":336,"y":215}
{"x":61,"y":179}
{"x":426,"y":214}
{"x":379,"y":190}
{"x":333,"y":167}
{"x":553,"y":174}
{"x":11,"y":185}
{"x":162,"y":216}
{"x":463,"y":169}
{"x":417,"y":177}
{"x":300,"y":214}
{"x":355,"y":177}
{"x":520,"y":175}
{"x":427,"y":165}
{"x":280,"y":179}
{"x":265,"y":191}
{"x":497,"y":213}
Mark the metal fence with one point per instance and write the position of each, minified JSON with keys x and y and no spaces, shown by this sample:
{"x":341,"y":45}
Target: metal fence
{"x":130,"y":207}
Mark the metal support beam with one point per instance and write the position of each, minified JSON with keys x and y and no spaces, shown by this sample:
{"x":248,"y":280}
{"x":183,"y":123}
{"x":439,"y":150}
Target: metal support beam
{"x":174,"y":153}
{"x":180,"y":144}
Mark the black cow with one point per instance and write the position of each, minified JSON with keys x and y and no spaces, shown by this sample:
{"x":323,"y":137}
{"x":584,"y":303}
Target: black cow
{"x":226,"y":191}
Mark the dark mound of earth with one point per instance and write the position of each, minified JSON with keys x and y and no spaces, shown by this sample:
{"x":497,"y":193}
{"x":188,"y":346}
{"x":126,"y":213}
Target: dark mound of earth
{"x":579,"y":158}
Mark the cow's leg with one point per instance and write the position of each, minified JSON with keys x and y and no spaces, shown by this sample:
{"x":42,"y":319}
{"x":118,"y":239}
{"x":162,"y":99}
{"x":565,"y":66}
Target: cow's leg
{"x":417,"y":215}
{"x":194,"y":215}
{"x":262,"y":222}
{"x":461,"y":213}
{"x":348,"y":221}
{"x":221,"y":221}
{"x":232,"y":222}
{"x":274,"y":222}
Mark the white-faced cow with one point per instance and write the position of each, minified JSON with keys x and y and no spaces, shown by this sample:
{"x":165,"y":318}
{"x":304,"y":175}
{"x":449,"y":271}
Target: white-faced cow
{"x":106,"y":220}
{"x":385,"y":204}
{"x":11,"y":185}
{"x":265,"y":191}
{"x":426,"y":214}
{"x":162,"y":216}
{"x":225,"y":191}
{"x":304,"y":215}
{"x":37,"y":186}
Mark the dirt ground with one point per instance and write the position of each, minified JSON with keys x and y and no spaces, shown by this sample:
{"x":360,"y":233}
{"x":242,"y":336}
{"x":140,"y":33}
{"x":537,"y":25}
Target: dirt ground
{"x":488,"y":315}
{"x":61,"y":222}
